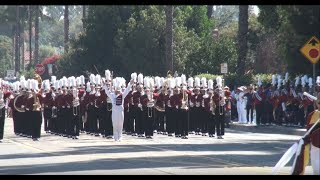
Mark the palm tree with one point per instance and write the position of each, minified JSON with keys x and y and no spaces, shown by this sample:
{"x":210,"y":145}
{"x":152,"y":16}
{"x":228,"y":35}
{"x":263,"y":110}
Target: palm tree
{"x":209,"y":11}
{"x":17,"y":38}
{"x":36,"y":35}
{"x":242,"y":39}
{"x":169,"y":37}
{"x":66,"y":28}
{"x":30,"y":34}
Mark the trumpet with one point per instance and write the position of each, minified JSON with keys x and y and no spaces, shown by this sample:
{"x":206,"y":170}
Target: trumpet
{"x":54,"y":112}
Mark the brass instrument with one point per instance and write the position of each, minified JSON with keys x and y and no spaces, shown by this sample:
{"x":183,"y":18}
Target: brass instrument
{"x":109,"y":102}
{"x":212,"y":106}
{"x":221,"y":99}
{"x":185,"y":100}
{"x":109,"y":107}
{"x":150,"y":104}
{"x":39,"y":79}
{"x":54,"y":112}
{"x":75,"y":102}
{"x":139,"y":104}
{"x":36,"y":102}
{"x":14,"y":104}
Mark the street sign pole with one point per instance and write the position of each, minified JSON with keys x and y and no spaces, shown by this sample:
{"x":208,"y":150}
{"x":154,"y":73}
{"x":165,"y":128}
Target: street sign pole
{"x":314,"y":80}
{"x":311,"y":50}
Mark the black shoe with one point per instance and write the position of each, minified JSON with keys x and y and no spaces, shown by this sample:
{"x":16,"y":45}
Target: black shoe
{"x":148,"y":137}
{"x":35,"y":139}
{"x":184,"y":137}
{"x":219,"y":137}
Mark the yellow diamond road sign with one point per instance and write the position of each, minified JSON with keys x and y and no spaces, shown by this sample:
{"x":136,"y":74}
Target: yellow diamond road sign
{"x":311,"y":50}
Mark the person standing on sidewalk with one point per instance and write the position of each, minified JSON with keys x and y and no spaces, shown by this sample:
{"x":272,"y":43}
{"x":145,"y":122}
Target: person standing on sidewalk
{"x":4,"y":95}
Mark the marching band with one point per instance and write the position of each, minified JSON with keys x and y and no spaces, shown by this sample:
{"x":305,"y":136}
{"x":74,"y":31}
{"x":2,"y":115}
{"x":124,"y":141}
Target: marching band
{"x":173,"y":106}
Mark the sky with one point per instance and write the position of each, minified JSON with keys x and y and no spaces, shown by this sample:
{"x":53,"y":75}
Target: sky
{"x":256,"y":9}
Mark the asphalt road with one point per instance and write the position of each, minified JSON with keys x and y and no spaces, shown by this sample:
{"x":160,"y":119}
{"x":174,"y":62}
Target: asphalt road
{"x":239,"y":153}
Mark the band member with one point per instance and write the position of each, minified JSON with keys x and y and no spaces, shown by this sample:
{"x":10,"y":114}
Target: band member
{"x":117,"y":99}
{"x":275,"y":98}
{"x":310,"y":145}
{"x":227,"y":95}
{"x":161,"y":97}
{"x":198,"y":97}
{"x":92,"y":110}
{"x":203,"y":120}
{"x":4,"y":96}
{"x":128,"y":124}
{"x":108,"y":127}
{"x":241,"y":103}
{"x":249,"y":104}
{"x":147,"y":102}
{"x":258,"y":101}
{"x":33,"y":107}
{"x":192,"y":109}
{"x":47,"y":105}
{"x":75,"y":118}
{"x":185,"y":94}
{"x":210,"y":107}
{"x":81,"y":93}
{"x":220,"y":109}
{"x":137,"y":107}
{"x":170,"y":119}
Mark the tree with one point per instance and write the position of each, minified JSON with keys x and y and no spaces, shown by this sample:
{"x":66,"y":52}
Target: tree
{"x":36,"y":35}
{"x":17,"y":40}
{"x":169,"y":38}
{"x":209,"y":11}
{"x":293,"y":25}
{"x":30,"y":34}
{"x":242,"y":39}
{"x":5,"y":54}
{"x":66,"y":28}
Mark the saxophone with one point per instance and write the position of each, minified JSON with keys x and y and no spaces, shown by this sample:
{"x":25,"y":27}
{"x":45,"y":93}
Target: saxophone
{"x":36,"y":102}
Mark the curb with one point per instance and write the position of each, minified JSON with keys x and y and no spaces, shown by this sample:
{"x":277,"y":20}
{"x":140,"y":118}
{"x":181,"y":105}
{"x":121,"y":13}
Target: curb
{"x":272,"y":129}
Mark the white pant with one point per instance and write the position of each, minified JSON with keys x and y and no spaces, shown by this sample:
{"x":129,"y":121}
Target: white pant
{"x":239,"y":111}
{"x":243,"y":112}
{"x":117,"y":123}
{"x":315,"y":158}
